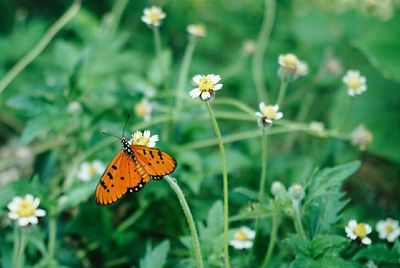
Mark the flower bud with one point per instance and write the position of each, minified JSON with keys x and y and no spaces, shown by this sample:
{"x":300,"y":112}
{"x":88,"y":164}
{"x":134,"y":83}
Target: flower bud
{"x":296,"y":192}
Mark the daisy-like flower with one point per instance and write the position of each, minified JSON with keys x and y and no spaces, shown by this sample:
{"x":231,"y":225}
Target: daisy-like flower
{"x":144,"y":109}
{"x":296,"y":192}
{"x":144,"y":139}
{"x":291,"y":67}
{"x":359,"y":231}
{"x":361,"y":137}
{"x":243,"y":238}
{"x":25,"y":210}
{"x":317,"y":127}
{"x":197,"y":30}
{"x":388,"y":229}
{"x":89,"y":170}
{"x":268,"y":114}
{"x":153,"y":16}
{"x":356,"y":83}
{"x":206,"y":86}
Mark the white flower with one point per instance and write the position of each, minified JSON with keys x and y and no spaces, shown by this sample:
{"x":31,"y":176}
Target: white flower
{"x":355,"y":82}
{"x":291,"y":67}
{"x":25,"y":210}
{"x":360,"y":231}
{"x":144,"y":109}
{"x":296,"y":192}
{"x":388,"y":229}
{"x":361,"y":137}
{"x":371,"y":264}
{"x":317,"y":127}
{"x":74,"y":107}
{"x":243,"y":238}
{"x":206,"y":86}
{"x":153,"y":16}
{"x":144,"y":139}
{"x":88,"y":170}
{"x":197,"y":30}
{"x":268,"y":114}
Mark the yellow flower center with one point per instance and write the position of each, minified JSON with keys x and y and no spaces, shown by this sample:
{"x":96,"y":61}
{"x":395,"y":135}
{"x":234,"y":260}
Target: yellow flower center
{"x":205,"y":84}
{"x":360,"y":230}
{"x":291,"y":61}
{"x":154,"y":17}
{"x":141,"y":109}
{"x":241,"y":235}
{"x":354,"y":83}
{"x":269,"y":112}
{"x":389,"y":228}
{"x":92,"y":170}
{"x":26,"y":208}
{"x":141,"y":141}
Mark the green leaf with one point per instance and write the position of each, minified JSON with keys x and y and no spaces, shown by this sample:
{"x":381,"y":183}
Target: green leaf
{"x":78,"y":194}
{"x":330,"y":245}
{"x":157,"y":257}
{"x":378,"y":253}
{"x":380,"y":43}
{"x":326,"y":262}
{"x":324,"y":200}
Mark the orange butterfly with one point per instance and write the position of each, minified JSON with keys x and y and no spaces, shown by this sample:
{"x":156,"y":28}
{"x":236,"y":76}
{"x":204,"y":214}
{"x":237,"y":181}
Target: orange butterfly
{"x":131,"y":169}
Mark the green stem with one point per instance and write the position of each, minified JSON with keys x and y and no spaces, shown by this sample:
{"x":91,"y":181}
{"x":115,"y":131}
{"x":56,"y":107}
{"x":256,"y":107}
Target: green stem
{"x":52,"y":239}
{"x":272,"y":240}
{"x":16,"y":246}
{"x":297,"y":219}
{"x":189,"y":217}
{"x":347,"y":114}
{"x":225,"y":182}
{"x":263,"y":165}
{"x":117,"y":11}
{"x":262,"y":43}
{"x":238,"y":104}
{"x":130,"y":221}
{"x":158,"y":51}
{"x":282,"y":91}
{"x":40,"y":46}
{"x":21,"y":248}
{"x":183,"y":73}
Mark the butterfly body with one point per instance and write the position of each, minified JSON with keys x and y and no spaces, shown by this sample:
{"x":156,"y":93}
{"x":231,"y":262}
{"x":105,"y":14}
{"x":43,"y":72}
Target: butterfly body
{"x":131,"y":169}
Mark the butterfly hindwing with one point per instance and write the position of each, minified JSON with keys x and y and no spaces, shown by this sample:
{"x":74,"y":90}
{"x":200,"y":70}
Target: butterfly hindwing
{"x":120,"y":177}
{"x":156,"y":163}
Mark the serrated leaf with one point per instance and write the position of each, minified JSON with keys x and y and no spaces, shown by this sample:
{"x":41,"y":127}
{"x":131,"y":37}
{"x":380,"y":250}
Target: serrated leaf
{"x":157,"y":257}
{"x":378,"y":253}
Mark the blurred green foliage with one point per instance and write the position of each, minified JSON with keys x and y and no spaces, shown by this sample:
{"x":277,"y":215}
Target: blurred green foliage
{"x":108,"y":65}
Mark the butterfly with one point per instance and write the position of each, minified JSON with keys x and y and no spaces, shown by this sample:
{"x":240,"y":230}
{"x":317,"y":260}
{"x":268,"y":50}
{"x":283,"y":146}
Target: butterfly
{"x":131,"y":169}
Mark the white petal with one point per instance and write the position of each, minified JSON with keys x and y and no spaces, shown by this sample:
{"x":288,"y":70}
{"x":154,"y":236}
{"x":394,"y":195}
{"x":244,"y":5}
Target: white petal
{"x":13,"y":215}
{"x":259,"y":114}
{"x":275,"y":107}
{"x":368,"y":228}
{"x":205,"y":95}
{"x":29,"y":198}
{"x":23,"y":221}
{"x":218,"y":86}
{"x":278,"y":116}
{"x":352,"y":224}
{"x":366,"y":241}
{"x":262,"y":106}
{"x":195,"y":93}
{"x":214,"y":78}
{"x":36,"y":202}
{"x":33,"y":220}
{"x":40,"y":212}
{"x":197,"y":78}
{"x":146,"y":134}
{"x":99,"y":166}
{"x":350,"y":92}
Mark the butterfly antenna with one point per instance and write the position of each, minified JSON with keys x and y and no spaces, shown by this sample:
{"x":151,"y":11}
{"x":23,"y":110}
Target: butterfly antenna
{"x":108,"y":134}
{"x":126,"y":122}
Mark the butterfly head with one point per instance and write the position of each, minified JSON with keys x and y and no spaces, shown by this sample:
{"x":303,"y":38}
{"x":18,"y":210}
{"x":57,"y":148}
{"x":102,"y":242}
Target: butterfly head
{"x":126,"y":147}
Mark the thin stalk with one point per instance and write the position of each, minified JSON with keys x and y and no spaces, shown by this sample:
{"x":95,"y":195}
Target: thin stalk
{"x":238,"y":104}
{"x":41,"y":45}
{"x":52,"y":238}
{"x":189,"y":217}
{"x":297,"y":219}
{"x":282,"y":91}
{"x":262,"y":43}
{"x":183,"y":72}
{"x":272,"y":240}
{"x":225,"y":182}
{"x":347,"y":114}
{"x":130,"y":221}
{"x":117,"y":11}
{"x":21,"y":249}
{"x":158,"y":51}
{"x":16,"y":246}
{"x":263,"y":165}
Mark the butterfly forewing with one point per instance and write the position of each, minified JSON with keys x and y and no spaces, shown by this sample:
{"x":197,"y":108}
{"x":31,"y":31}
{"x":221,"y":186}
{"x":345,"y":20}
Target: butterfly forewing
{"x":156,"y":163}
{"x":120,"y":177}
